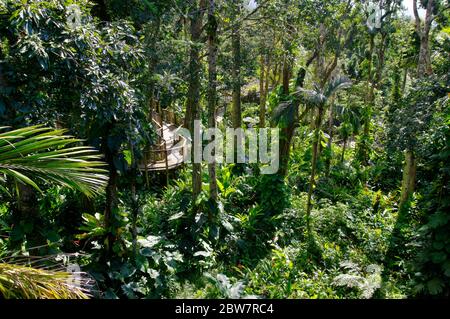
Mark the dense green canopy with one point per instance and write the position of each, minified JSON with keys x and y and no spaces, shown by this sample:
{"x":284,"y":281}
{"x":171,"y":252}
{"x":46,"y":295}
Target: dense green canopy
{"x":92,"y":93}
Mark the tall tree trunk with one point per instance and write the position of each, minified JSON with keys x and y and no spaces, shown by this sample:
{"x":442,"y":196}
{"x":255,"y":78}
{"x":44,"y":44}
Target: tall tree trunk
{"x":405,"y":78}
{"x":286,"y":75}
{"x":236,"y":74}
{"x":286,"y":137}
{"x":111,"y":196}
{"x":287,"y":133}
{"x":275,"y":79}
{"x":424,"y":57}
{"x":381,"y":59}
{"x":2,"y":78}
{"x":266,"y":84}
{"x":27,"y":202}
{"x":363,"y":149}
{"x":330,"y":139}
{"x":212,"y":89}
{"x":262,"y":92}
{"x":423,"y":69}
{"x":193,"y":110}
{"x":424,"y":64}
{"x":134,"y":196}
{"x":312,"y":179}
{"x":409,"y":177}
{"x":152,"y":40}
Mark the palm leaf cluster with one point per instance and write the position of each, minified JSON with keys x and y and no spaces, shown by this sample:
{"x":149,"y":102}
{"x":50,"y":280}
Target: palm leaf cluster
{"x":38,"y":153}
{"x":24,"y":282}
{"x":320,"y":96}
{"x":317,"y":98}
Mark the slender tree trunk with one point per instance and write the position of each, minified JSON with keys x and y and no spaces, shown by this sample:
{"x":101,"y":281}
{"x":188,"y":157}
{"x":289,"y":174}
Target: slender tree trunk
{"x":275,"y":78}
{"x":286,"y":75}
{"x":286,"y":137}
{"x":409,"y":177}
{"x":381,"y":59}
{"x":152,"y":40}
{"x":424,"y":57}
{"x":236,"y":73}
{"x":343,"y":150}
{"x":363,"y":149}
{"x":287,"y":133}
{"x":111,"y":197}
{"x":262,"y":92}
{"x":330,"y":139}
{"x":134,"y":198}
{"x":2,"y":78}
{"x":193,"y":110}
{"x":423,"y":69}
{"x":236,"y":76}
{"x":405,"y":78}
{"x":212,"y":90}
{"x":424,"y":64}
{"x":312,"y":180}
{"x":268,"y":70}
{"x":27,"y":202}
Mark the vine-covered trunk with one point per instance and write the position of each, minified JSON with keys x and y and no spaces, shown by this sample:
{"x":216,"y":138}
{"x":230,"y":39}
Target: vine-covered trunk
{"x":423,"y":69}
{"x":236,"y":79}
{"x":262,"y":92}
{"x":286,"y":137}
{"x":409,"y":177}
{"x":287,"y":133}
{"x":212,"y":90}
{"x":153,"y":61}
{"x":370,"y":93}
{"x":275,"y":78}
{"x":193,"y":99}
{"x":424,"y":64}
{"x":330,"y":139}
{"x":111,"y":197}
{"x":26,"y":201}
{"x":266,"y":84}
{"x":286,"y":75}
{"x":236,"y":74}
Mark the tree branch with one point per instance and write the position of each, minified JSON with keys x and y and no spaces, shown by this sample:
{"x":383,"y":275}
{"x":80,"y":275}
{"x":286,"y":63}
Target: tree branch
{"x":429,"y":16}
{"x":417,"y":18}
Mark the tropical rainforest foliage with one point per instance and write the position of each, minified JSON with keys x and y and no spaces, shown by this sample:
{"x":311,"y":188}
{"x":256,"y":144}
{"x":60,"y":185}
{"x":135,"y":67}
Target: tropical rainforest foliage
{"x":360,"y":207}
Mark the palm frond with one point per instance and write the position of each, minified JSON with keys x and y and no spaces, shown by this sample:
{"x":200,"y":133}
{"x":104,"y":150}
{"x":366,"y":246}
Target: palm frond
{"x":339,"y":83}
{"x":24,"y":282}
{"x":312,"y":97}
{"x":285,"y":113}
{"x":38,"y":153}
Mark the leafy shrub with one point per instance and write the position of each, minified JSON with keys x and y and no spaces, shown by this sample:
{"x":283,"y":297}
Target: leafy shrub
{"x":366,"y":281}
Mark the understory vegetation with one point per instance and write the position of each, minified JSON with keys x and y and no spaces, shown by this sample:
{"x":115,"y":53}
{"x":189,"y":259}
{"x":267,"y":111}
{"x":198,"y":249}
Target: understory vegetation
{"x":359,"y":209}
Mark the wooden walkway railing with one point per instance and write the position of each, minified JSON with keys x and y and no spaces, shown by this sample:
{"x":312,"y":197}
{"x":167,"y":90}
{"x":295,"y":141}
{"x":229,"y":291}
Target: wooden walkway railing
{"x":169,"y":151}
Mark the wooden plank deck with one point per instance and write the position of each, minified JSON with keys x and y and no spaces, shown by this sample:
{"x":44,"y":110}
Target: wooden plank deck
{"x":175,"y":156}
